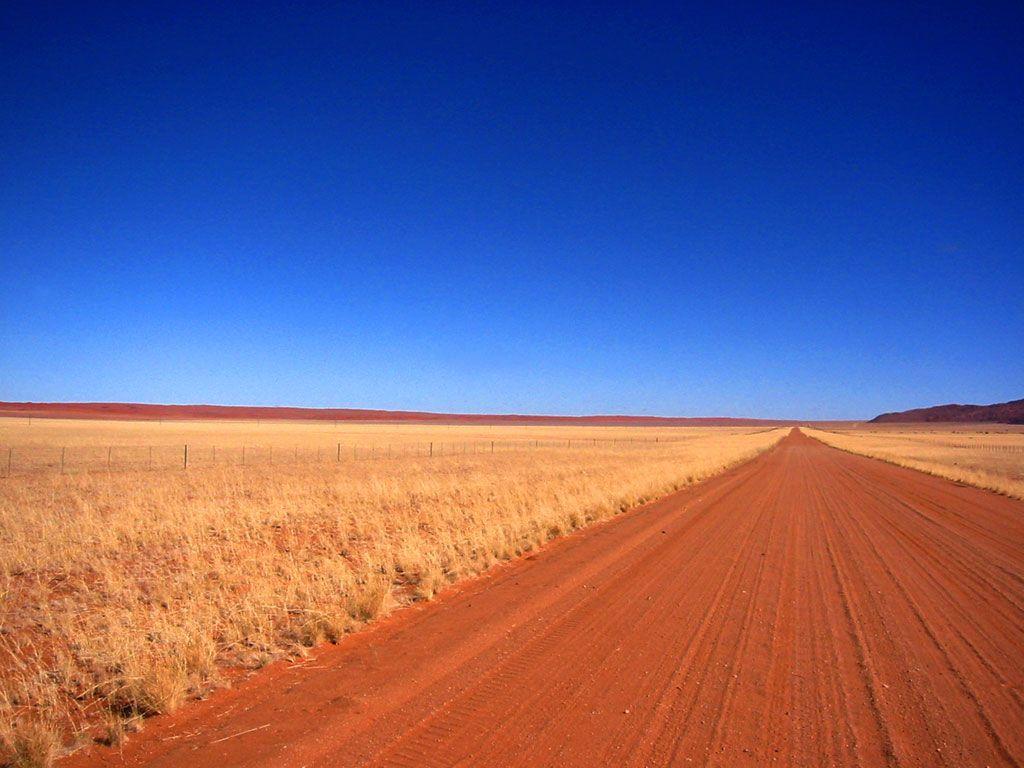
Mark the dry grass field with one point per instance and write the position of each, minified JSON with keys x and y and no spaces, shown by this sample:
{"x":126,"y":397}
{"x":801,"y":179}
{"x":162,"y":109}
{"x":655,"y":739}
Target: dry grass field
{"x":68,"y":445}
{"x":988,"y":455}
{"x":125,"y":591}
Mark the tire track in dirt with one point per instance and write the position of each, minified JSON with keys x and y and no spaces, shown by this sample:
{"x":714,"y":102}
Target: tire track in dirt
{"x":811,"y":607}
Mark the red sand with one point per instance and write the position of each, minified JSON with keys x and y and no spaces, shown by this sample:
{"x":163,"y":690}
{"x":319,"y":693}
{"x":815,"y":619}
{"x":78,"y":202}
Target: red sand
{"x":808,"y":608}
{"x":144,"y":411}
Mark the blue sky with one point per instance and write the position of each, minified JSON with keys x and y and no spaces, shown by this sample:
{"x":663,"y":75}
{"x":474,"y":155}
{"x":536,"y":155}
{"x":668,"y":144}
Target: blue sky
{"x":747,"y":210}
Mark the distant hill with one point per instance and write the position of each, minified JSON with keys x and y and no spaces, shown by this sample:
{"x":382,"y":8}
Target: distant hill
{"x":150,"y":412}
{"x":999,"y":413}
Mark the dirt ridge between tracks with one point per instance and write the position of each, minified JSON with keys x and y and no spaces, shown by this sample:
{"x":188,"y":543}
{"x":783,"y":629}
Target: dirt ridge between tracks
{"x":810,"y":607}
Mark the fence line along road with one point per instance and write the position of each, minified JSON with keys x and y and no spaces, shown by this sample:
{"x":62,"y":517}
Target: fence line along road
{"x":26,"y":459}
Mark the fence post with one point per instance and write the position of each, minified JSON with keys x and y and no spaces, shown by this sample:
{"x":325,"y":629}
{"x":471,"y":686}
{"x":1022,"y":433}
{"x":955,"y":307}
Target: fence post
{"x":431,"y":453}
{"x":109,"y":449}
{"x":62,"y":450}
{"x":185,"y":465}
{"x":492,"y":446}
{"x":243,"y":455}
{"x":339,"y":451}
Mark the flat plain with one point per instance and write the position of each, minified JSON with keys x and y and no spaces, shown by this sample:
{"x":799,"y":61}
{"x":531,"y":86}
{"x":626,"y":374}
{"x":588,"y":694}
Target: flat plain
{"x":808,"y":607}
{"x":134,"y":580}
{"x":655,"y":596}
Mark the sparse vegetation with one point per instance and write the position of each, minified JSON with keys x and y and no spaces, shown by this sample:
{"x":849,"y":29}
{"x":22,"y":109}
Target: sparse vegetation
{"x":987,"y":456}
{"x":126,"y":592}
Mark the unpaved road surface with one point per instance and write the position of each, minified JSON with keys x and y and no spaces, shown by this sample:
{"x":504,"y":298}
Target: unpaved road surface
{"x":808,"y":608}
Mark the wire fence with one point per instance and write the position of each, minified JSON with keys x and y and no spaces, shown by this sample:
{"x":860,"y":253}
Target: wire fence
{"x":27,"y":459}
{"x":976,"y":446}
{"x":926,"y":442}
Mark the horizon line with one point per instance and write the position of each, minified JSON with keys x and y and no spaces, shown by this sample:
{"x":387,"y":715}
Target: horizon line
{"x":120,"y":408}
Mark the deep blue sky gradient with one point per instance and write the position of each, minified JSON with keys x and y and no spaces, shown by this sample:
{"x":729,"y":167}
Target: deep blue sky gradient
{"x":735,"y":209}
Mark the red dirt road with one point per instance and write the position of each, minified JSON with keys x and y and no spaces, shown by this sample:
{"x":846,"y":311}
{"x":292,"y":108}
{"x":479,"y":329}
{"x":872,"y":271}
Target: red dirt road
{"x":808,"y":608}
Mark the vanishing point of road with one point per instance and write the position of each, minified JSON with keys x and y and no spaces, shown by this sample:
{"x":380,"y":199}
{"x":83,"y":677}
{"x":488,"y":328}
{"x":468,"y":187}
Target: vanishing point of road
{"x":808,"y":608}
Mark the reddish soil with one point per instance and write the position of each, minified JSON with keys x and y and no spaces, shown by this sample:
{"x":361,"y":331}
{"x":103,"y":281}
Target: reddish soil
{"x":808,"y":608}
{"x":146,"y":411}
{"x":999,"y":413}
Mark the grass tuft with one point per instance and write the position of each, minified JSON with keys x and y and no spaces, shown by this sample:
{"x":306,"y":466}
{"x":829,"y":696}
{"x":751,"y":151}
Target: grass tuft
{"x":29,"y":744}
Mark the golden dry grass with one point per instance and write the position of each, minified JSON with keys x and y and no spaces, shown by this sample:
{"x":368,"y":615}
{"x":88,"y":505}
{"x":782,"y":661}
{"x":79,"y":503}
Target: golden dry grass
{"x":39,"y":444}
{"x":126,"y":592}
{"x":988,"y":456}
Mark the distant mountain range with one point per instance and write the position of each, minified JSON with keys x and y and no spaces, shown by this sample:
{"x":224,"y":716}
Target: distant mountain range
{"x":148,"y":411}
{"x":999,"y":413}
